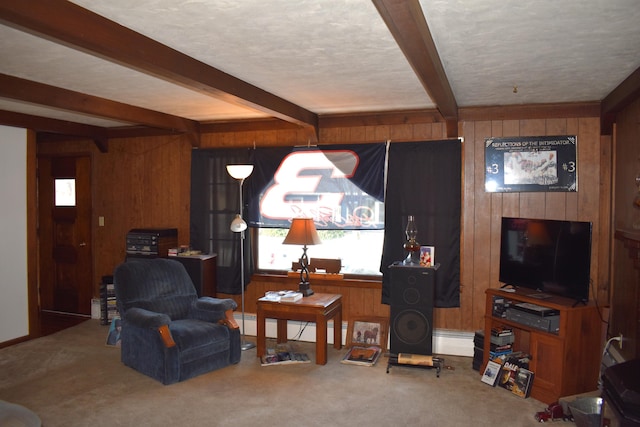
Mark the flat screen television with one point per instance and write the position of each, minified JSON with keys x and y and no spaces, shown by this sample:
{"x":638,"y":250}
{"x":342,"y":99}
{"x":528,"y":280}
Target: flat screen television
{"x":550,"y":256}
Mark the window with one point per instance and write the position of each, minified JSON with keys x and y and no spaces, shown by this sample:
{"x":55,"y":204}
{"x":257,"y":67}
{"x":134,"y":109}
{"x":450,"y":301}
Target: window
{"x":343,"y":191}
{"x":359,"y":250}
{"x":65,"y":192}
{"x":437,"y":207}
{"x":320,"y":184}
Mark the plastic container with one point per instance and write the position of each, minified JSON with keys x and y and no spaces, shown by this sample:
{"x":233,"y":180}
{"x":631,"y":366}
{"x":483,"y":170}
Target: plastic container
{"x":587,"y":411}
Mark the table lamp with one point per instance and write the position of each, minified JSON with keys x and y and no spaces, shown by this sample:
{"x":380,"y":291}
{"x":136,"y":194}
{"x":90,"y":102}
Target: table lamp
{"x":303,"y":232}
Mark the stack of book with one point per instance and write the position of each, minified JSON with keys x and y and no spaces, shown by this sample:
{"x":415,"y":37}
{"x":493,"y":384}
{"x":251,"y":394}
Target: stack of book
{"x":501,"y":342}
{"x":283,"y":296}
{"x":364,"y":356}
{"x":283,"y":354}
{"x":510,"y":372}
{"x":515,"y":375}
{"x":108,"y":306}
{"x":478,"y":349}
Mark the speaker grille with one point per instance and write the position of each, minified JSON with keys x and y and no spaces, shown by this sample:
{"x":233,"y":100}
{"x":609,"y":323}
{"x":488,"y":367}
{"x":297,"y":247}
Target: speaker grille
{"x":411,"y":296}
{"x":411,"y":327}
{"x":411,"y":319}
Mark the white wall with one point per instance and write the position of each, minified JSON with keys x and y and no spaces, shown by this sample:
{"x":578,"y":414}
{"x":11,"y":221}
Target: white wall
{"x":14,"y":314}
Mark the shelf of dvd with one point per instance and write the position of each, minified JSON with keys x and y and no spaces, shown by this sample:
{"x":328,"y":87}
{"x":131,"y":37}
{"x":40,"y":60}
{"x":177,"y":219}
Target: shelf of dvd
{"x":561,"y":337}
{"x":108,"y":309}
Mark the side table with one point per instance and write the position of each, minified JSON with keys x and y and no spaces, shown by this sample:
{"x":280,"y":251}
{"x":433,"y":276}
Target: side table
{"x":318,"y":308}
{"x":202,"y":270}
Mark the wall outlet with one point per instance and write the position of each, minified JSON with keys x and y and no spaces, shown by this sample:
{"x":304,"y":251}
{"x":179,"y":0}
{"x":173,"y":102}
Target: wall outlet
{"x":621,"y":340}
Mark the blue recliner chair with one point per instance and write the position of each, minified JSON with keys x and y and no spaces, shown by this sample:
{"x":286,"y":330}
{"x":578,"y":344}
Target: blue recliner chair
{"x":168,"y":333}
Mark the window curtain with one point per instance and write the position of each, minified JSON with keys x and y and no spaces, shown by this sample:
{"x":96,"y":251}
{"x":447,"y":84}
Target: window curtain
{"x":424,"y":180}
{"x":215,"y":201}
{"x":346,"y":167}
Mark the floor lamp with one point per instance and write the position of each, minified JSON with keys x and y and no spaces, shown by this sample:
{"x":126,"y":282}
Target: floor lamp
{"x":238,"y":225}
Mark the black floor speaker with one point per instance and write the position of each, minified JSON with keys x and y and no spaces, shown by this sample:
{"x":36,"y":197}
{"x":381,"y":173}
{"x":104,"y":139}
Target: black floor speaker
{"x":411,"y":322}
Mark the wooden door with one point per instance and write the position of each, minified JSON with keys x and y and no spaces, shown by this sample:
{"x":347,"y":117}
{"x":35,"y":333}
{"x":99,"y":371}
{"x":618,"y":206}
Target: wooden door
{"x":547,"y":361}
{"x":64,"y":219}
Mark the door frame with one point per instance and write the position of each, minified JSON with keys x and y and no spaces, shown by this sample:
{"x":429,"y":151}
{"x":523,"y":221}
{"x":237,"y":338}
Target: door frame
{"x":33,"y":262}
{"x":36,"y":309}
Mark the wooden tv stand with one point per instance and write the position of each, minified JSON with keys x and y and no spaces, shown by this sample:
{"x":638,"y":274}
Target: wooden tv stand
{"x":565,"y":363}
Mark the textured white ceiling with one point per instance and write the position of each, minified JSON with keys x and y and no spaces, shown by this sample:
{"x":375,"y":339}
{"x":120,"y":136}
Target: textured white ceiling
{"x":337,"y":56}
{"x":327,"y":56}
{"x":553,"y":51}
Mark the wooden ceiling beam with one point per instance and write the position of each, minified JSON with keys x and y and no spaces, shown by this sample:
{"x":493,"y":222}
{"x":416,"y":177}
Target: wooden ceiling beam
{"x":408,"y":26}
{"x":55,"y":126}
{"x":81,"y":29}
{"x":395,"y":117}
{"x":38,"y":93}
{"x":619,"y":98}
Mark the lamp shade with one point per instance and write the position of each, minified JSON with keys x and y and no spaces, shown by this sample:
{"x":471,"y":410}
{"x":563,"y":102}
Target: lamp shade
{"x":238,"y":224}
{"x":302,"y":232}
{"x":239,"y":171}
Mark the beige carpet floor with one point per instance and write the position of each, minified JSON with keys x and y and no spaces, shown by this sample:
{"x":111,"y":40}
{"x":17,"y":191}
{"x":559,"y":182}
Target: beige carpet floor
{"x":72,"y":379}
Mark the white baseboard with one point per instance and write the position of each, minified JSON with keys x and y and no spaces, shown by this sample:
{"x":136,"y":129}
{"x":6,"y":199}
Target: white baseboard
{"x":445,"y":342}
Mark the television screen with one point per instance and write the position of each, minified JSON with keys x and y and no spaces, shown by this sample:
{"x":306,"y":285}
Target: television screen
{"x":550,"y":256}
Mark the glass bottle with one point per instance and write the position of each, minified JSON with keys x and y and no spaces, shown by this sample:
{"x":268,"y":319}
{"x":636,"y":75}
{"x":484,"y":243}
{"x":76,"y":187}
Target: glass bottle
{"x":412,"y":246}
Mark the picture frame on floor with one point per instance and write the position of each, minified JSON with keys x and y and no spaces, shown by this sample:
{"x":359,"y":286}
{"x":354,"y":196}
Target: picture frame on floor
{"x":491,"y":373}
{"x":113,"y":338}
{"x":368,"y":331}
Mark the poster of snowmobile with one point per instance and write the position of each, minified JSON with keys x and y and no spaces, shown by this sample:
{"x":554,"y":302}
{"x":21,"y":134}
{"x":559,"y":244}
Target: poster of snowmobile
{"x":531,"y":163}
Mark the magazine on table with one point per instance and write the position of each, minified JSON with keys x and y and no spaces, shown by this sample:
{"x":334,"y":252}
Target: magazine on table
{"x":283,"y":296}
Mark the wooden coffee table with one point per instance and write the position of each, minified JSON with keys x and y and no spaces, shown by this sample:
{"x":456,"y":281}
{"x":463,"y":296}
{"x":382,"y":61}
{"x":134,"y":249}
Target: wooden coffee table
{"x":318,"y":308}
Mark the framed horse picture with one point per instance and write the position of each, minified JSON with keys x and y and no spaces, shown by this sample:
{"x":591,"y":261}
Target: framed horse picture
{"x":368,"y":331}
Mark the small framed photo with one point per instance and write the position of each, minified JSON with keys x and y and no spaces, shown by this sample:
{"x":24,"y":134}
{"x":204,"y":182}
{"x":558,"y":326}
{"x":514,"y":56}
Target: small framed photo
{"x":427,"y":256}
{"x":491,"y":373}
{"x":368,"y":331}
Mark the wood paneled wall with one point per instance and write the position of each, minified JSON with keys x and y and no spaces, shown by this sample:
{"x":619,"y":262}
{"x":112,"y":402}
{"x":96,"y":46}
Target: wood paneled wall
{"x":139,"y":183}
{"x":625,"y":289}
{"x":483,"y":211}
{"x":144,"y":182}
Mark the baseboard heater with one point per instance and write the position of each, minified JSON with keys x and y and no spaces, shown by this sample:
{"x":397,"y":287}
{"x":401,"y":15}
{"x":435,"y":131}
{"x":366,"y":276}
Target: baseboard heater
{"x":445,"y":341}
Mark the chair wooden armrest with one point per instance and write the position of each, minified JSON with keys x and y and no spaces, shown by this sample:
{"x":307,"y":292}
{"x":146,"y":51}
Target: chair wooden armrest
{"x":167,"y":339}
{"x":229,"y":320}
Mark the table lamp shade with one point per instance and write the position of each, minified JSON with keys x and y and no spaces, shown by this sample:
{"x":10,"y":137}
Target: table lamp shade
{"x":302,"y":232}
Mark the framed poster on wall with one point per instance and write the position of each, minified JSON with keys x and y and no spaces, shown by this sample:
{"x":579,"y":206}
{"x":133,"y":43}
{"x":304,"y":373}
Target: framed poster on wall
{"x":531,"y":163}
